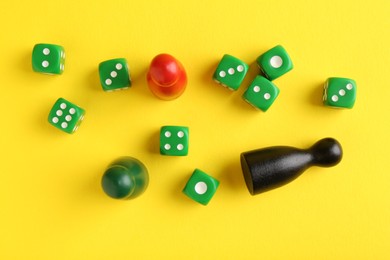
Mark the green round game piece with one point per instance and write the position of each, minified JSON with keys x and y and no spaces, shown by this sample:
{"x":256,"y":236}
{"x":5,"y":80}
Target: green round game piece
{"x":125,"y":178}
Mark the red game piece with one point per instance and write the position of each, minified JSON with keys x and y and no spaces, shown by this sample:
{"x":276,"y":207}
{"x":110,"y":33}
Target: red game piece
{"x":166,"y":77}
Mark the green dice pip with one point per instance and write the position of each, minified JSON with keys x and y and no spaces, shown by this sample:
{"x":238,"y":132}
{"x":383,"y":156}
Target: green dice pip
{"x":66,"y":116}
{"x":275,"y":62}
{"x":261,"y":93}
{"x":174,"y":140}
{"x":48,"y":58}
{"x":114,"y":74}
{"x":201,"y":187}
{"x":339,"y":92}
{"x":230,"y":72}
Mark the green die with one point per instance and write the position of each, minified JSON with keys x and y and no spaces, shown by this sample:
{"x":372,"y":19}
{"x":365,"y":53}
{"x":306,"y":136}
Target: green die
{"x":48,"y":58}
{"x":339,"y":92}
{"x":66,"y":116}
{"x":114,"y":74}
{"x":201,"y":187}
{"x":230,"y":72}
{"x":174,"y":140}
{"x":275,"y":62}
{"x":261,"y":93}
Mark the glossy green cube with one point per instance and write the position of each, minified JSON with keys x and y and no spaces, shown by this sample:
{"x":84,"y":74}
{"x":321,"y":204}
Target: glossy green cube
{"x":66,"y":116}
{"x":201,"y":187}
{"x":275,"y":62}
{"x":114,"y":74}
{"x":339,"y":92}
{"x":174,"y":140}
{"x":48,"y":58}
{"x":230,"y":72}
{"x":261,"y":93}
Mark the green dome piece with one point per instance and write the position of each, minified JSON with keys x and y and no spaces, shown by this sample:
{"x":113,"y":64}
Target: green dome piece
{"x":125,"y":178}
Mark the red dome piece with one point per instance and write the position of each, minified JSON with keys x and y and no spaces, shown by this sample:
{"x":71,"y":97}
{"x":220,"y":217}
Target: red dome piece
{"x":166,"y":77}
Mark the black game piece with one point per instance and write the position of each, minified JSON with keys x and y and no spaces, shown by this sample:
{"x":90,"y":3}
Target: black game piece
{"x":268,"y":168}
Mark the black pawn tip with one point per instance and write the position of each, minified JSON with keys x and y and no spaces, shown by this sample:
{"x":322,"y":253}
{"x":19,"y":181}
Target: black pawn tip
{"x":326,"y":152}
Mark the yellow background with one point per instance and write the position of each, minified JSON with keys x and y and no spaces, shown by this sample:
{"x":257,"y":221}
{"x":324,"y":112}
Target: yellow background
{"x":52,"y":205}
